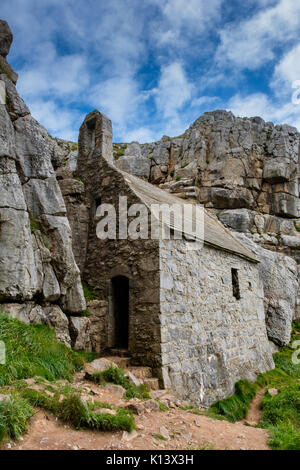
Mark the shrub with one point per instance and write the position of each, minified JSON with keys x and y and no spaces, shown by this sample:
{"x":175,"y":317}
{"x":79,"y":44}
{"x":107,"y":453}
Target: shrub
{"x":14,"y":416}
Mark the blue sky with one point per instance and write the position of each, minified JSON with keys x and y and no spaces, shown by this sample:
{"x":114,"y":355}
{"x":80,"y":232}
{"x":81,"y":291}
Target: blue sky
{"x":154,"y":66}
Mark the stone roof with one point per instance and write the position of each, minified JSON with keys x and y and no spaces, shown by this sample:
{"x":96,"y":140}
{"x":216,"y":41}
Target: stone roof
{"x":215,"y":234}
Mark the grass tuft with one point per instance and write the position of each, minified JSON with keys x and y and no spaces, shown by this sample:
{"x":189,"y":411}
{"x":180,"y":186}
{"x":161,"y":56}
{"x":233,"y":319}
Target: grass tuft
{"x":117,"y":376}
{"x":74,"y":411}
{"x":14,"y":415}
{"x":34,"y":351}
{"x":280,"y":413}
{"x":236,"y":407}
{"x":89,"y":293}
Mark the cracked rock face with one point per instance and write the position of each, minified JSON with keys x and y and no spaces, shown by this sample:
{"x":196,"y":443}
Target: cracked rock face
{"x":39,"y":278}
{"x":235,"y":162}
{"x":6,"y":38}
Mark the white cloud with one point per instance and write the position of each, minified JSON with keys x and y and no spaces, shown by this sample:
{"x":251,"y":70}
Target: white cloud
{"x":251,"y":43}
{"x":59,"y":121}
{"x":183,"y":19}
{"x":119,"y":97}
{"x":142,"y":135}
{"x":174,"y":90}
{"x":259,"y":104}
{"x":288,"y":69}
{"x":51,"y":74}
{"x":193,"y":13}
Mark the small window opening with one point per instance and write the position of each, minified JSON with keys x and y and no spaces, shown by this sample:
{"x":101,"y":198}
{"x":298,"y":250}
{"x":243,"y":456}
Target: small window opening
{"x":91,"y":124}
{"x":235,"y":283}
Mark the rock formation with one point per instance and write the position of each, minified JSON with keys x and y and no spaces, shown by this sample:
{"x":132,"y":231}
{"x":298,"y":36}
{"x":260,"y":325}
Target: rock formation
{"x":37,"y":265}
{"x":245,"y":171}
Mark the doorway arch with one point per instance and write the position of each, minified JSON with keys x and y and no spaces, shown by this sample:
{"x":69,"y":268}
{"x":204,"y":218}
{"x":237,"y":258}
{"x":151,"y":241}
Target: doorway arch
{"x":120,"y":311}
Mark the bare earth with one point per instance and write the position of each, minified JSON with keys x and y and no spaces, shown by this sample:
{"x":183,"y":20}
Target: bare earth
{"x":183,"y":430}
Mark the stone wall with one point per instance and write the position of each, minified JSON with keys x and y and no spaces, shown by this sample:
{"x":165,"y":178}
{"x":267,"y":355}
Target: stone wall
{"x":137,"y":260}
{"x":210,"y":340}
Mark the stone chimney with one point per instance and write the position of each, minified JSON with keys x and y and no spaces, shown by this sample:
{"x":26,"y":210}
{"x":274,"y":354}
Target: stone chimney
{"x":94,"y":145}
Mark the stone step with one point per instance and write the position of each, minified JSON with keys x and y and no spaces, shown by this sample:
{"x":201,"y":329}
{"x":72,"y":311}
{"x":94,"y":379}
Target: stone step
{"x":161,"y":393}
{"x":151,"y":384}
{"x":120,"y":352}
{"x":121,"y":362}
{"x":141,"y":372}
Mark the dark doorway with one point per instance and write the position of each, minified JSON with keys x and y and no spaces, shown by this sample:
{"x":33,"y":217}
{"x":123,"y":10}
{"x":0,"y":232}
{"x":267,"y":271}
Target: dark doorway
{"x":120,"y":299}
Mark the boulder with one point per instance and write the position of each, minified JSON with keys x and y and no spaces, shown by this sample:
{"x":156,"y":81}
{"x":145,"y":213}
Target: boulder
{"x":73,"y":300}
{"x":280,"y":280}
{"x":7,"y":135}
{"x":136,"y":165}
{"x":278,"y":170}
{"x":116,"y":389}
{"x":58,"y":321}
{"x":80,"y":333}
{"x":26,"y":312}
{"x":33,"y":148}
{"x":44,"y":197}
{"x":98,"y":365}
{"x":6,"y":38}
{"x":8,"y":70}
{"x":51,"y":289}
{"x":18,"y":275}
{"x":240,"y":220}
{"x":14,"y":104}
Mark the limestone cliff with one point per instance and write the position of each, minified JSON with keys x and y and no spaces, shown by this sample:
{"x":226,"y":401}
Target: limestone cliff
{"x":245,"y":171}
{"x":39,"y":278}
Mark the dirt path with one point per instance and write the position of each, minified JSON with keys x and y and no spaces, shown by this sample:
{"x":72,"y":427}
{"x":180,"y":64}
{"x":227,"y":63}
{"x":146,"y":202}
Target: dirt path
{"x":254,"y":415}
{"x":172,"y":429}
{"x":186,"y":431}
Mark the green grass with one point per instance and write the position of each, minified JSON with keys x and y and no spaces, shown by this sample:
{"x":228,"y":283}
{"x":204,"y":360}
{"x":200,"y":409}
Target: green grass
{"x":80,"y":415}
{"x":34,"y":351}
{"x":89,"y":293}
{"x":297,"y":226}
{"x":236,"y":407}
{"x":162,"y":406}
{"x":34,"y":225}
{"x":14,"y":416}
{"x":118,"y":151}
{"x":116,"y":376}
{"x":280,"y":413}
